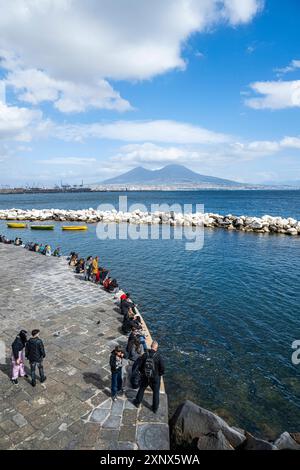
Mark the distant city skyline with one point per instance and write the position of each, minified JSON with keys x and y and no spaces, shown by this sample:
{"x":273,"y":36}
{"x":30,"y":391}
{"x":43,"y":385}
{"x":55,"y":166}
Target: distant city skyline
{"x":213,"y":85}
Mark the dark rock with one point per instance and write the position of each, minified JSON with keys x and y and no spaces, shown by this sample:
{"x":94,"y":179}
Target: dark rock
{"x":253,"y":443}
{"x":191,"y":422}
{"x":214,"y":441}
{"x":287,"y":442}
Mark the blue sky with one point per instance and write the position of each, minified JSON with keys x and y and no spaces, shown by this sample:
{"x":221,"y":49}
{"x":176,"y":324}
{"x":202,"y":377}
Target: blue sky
{"x":93,"y":89}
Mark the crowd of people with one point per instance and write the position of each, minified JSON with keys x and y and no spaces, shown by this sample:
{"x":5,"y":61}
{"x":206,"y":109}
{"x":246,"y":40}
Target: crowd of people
{"x":32,"y":246}
{"x":147,"y":366}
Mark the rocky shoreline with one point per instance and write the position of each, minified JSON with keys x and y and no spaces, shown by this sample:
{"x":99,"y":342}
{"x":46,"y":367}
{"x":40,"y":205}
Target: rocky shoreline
{"x":195,"y":428}
{"x":265,"y":224}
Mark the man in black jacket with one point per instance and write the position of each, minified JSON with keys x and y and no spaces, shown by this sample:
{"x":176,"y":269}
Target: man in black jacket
{"x":35,"y":353}
{"x":151,"y":368}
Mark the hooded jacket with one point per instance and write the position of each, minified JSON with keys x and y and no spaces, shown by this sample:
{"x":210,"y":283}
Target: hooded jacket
{"x":17,"y":346}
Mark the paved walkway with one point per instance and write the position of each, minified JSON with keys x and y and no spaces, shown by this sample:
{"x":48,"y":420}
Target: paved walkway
{"x":80,"y":325}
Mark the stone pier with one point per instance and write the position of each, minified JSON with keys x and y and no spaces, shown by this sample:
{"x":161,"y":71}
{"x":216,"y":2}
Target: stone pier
{"x":80,"y":325}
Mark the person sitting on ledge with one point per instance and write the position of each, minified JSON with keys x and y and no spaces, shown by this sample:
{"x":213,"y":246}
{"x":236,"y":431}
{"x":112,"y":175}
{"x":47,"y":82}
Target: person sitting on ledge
{"x":134,"y":348}
{"x":79,"y":268}
{"x":57,"y":252}
{"x":126,"y":304}
{"x":48,"y":250}
{"x":131,"y":320}
{"x":73,"y":259}
{"x":102,"y":274}
{"x":41,"y":249}
{"x":110,"y":284}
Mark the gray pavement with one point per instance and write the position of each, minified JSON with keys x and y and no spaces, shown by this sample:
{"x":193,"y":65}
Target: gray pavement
{"x":80,"y":324}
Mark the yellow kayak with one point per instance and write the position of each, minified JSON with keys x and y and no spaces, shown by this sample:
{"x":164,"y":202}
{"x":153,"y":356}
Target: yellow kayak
{"x":16,"y":225}
{"x":74,"y":227}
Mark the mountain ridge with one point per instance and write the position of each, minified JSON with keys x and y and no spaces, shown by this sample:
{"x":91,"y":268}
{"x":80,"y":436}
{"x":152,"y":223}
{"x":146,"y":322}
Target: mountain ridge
{"x":169,"y":175}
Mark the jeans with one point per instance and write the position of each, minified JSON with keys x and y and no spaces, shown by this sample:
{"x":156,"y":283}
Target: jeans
{"x":116,"y":382}
{"x":41,"y":370}
{"x":143,"y":342}
{"x":155,"y":386}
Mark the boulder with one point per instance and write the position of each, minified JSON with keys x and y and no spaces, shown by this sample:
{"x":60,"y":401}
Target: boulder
{"x":292,"y":231}
{"x":214,"y":441}
{"x":253,"y":443}
{"x":256,"y":225}
{"x":286,"y":442}
{"x":191,"y":423}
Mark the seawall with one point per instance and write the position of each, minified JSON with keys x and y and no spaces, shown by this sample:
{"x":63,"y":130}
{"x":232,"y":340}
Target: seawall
{"x":80,"y":325}
{"x":266,"y":224}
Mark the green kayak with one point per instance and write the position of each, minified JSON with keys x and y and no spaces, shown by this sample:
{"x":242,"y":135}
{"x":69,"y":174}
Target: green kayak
{"x":42,"y":227}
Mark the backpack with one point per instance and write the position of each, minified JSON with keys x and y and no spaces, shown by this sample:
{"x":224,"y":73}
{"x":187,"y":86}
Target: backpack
{"x":149,"y":366}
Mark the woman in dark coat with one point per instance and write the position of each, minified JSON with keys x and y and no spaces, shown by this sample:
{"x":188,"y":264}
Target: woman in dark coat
{"x":18,"y":357}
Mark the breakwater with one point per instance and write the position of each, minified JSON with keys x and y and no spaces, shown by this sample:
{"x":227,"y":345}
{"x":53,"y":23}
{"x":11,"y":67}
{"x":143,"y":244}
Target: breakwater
{"x":80,"y":325}
{"x":264,"y":224}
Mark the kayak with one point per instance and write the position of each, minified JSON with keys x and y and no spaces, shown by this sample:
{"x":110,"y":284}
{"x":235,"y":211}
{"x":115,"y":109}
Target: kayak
{"x":16,"y":225}
{"x":42,"y":227}
{"x":74,"y":227}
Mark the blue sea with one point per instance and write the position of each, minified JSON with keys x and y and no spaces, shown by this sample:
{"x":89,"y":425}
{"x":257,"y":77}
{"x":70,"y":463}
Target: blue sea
{"x":225,"y":316}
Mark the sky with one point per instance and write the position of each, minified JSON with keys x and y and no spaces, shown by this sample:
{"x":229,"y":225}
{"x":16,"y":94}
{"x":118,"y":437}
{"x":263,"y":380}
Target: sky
{"x":90,"y":89}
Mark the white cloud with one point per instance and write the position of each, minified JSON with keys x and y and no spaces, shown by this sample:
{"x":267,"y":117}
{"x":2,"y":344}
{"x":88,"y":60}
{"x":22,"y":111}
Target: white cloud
{"x":34,"y":86}
{"x":16,"y":123}
{"x":291,"y":142}
{"x":294,"y":65}
{"x":152,"y":155}
{"x":140,"y":131}
{"x":65,"y":51}
{"x":68,"y":161}
{"x":276,"y":95}
{"x":74,"y":40}
{"x":148,"y":152}
{"x":240,"y":11}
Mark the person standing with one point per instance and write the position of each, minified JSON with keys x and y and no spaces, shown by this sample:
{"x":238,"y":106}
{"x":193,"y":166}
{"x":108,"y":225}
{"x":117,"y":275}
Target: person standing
{"x":95,"y":267}
{"x":151,"y":367}
{"x":35,"y":353}
{"x":88,"y":268}
{"x":17,"y":357}
{"x":116,"y":365}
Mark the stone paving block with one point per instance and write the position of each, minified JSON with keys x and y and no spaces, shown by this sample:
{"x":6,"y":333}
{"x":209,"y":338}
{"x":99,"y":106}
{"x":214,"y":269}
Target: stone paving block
{"x":127,"y":433}
{"x":99,"y":415}
{"x":146,"y":414}
{"x":112,"y":422}
{"x":21,"y":434}
{"x":5,"y":443}
{"x":117,"y":407}
{"x":129,"y":416}
{"x":19,"y":420}
{"x":153,"y":436}
{"x":8,"y":426}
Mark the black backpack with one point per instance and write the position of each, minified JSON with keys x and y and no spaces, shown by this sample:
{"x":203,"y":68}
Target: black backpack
{"x":149,"y":366}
